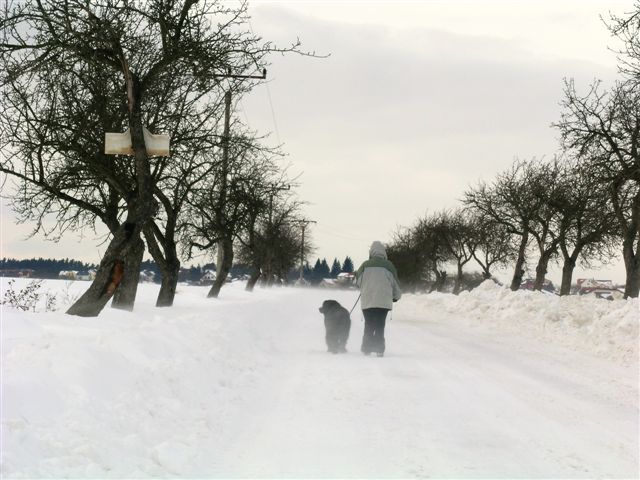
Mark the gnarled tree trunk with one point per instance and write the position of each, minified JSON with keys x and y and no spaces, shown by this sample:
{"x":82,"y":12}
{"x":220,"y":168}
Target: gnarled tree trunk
{"x":632,"y":267}
{"x":567,"y":275}
{"x":225,"y":260}
{"x":458,"y":281}
{"x":541,"y":270}
{"x":169,"y":283}
{"x":253,"y":279}
{"x":119,"y":260}
{"x":125,"y":295}
{"x":167,"y":260}
{"x":518,"y":271}
{"x":114,"y":266}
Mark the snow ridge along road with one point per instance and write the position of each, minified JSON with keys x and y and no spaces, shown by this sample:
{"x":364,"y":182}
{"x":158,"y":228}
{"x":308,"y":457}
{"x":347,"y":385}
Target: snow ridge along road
{"x":243,"y":387}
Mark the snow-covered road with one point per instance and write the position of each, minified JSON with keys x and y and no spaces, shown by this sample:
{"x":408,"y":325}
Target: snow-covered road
{"x":443,"y":402}
{"x":243,"y":387}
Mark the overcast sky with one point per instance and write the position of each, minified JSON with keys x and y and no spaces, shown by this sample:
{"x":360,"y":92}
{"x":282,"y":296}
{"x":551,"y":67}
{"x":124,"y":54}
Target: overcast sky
{"x":416,"y":102}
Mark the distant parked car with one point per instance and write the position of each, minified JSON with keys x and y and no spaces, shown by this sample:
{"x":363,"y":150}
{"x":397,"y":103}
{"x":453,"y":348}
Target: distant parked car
{"x":599,"y":288}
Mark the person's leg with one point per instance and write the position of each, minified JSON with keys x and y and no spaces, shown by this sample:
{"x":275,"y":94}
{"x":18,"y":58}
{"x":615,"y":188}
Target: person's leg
{"x":379,"y":322}
{"x":367,"y":338}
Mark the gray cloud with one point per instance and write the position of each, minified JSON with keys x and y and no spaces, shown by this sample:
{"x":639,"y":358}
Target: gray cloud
{"x":397,"y":122}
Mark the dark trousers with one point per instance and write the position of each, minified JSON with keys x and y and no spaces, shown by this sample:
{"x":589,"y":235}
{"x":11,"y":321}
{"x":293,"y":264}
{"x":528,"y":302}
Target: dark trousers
{"x":374,"y":321}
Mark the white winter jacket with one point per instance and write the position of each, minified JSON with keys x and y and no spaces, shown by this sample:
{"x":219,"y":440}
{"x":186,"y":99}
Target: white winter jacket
{"x":378,"y":280}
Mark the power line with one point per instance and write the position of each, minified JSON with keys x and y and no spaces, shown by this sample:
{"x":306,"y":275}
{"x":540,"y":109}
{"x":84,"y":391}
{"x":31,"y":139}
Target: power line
{"x":273,"y":113}
{"x":341,"y":235}
{"x":303,"y":224}
{"x":266,"y":84}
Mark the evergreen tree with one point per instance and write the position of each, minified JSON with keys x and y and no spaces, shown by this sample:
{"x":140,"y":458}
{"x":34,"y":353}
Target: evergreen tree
{"x":347,"y":265}
{"x":316,"y":274}
{"x":195,"y":274}
{"x":44,"y":267}
{"x":325,"y":271}
{"x":336,"y":268}
{"x":307,"y":272}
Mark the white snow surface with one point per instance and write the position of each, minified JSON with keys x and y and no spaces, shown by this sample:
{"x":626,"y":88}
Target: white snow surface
{"x":487,"y":384}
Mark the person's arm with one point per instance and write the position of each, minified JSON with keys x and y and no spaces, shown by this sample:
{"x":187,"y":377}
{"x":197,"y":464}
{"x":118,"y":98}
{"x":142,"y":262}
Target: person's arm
{"x":395,"y":284}
{"x":359,"y":276}
{"x":397,"y":293}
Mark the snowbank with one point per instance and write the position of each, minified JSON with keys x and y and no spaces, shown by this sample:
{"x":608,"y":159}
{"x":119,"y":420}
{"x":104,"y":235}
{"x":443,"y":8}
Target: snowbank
{"x":605,"y":328}
{"x":79,"y":392}
{"x":242,"y":387}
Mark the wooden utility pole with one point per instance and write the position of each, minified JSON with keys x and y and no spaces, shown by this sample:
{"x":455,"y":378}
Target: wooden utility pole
{"x":303,"y":224}
{"x":224,"y":258}
{"x":225,"y":173}
{"x":274,"y":188}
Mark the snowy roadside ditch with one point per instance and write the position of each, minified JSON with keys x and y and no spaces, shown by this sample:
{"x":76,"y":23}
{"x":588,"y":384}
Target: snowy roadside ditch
{"x":607,"y":329}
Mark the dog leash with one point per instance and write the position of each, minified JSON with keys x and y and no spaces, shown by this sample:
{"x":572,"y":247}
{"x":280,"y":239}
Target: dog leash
{"x":354,"y":305}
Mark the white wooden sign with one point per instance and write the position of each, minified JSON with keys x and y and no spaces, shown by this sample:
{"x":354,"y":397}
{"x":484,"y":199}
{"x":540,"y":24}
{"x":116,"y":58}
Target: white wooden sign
{"x":120,"y":143}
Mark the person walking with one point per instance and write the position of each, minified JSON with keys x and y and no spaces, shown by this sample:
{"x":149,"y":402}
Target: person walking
{"x":377,"y":279}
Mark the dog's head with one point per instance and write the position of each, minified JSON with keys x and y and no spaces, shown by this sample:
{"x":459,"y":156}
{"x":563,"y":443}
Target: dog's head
{"x":329,"y":306}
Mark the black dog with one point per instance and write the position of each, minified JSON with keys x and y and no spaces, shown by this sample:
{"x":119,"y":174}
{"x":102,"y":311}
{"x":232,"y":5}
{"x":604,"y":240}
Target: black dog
{"x":337,"y":323}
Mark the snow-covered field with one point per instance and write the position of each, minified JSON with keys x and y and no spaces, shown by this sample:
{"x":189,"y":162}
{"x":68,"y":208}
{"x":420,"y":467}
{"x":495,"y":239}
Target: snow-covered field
{"x":489,"y":384}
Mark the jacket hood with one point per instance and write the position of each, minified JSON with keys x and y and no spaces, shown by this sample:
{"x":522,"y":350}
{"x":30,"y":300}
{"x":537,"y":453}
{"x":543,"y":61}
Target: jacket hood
{"x":377,"y":250}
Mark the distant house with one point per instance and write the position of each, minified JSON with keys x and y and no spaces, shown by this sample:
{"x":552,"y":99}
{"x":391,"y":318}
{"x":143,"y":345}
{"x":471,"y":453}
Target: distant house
{"x":599,"y":288}
{"x":346,"y":279}
{"x":208,"y":278}
{"x":89,"y":275}
{"x":68,"y":275}
{"x":328,"y":283}
{"x":147,"y":276}
{"x":23,"y":272}
{"x":343,"y":280}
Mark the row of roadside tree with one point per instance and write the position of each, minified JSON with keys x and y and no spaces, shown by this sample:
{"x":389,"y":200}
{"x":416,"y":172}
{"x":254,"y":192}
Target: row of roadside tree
{"x":73,"y":71}
{"x":581,"y":206}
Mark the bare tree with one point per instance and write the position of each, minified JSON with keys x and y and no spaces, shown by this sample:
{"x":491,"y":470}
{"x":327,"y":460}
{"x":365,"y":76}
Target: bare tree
{"x":627,"y":29}
{"x":408,"y":258}
{"x":153,"y":47}
{"x":459,"y":238}
{"x":48,"y":143}
{"x":602,"y":129}
{"x":429,"y":239}
{"x":509,"y":202}
{"x":494,"y":243}
{"x":586,"y":225}
{"x":284,"y":242}
{"x":271,"y":241}
{"x":545,"y":185}
{"x":228,"y":201}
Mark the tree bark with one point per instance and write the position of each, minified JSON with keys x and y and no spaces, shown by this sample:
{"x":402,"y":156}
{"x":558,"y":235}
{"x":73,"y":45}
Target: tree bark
{"x":170,"y":270}
{"x":441,"y":279}
{"x":225,"y":260}
{"x":125,"y":295}
{"x":126,"y":242}
{"x":567,"y":275}
{"x":458,"y":282}
{"x":124,"y":247}
{"x":168,"y":286}
{"x":519,"y":271}
{"x":541,"y":270}
{"x":253,"y":279}
{"x":632,"y":267}
{"x":167,"y":260}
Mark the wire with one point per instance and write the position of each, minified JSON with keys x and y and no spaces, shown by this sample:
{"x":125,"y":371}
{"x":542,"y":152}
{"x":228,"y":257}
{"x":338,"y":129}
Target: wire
{"x":273,"y":113}
{"x":341,"y":235}
{"x":244,"y":112}
{"x":266,"y":84}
